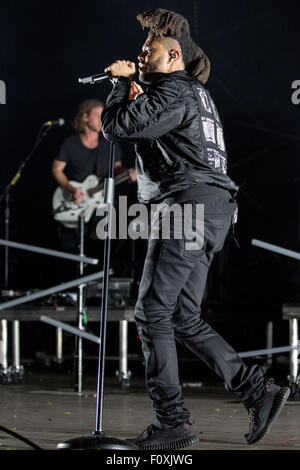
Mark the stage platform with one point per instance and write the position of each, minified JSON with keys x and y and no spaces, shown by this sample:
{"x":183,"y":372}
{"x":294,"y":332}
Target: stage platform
{"x":46,"y":410}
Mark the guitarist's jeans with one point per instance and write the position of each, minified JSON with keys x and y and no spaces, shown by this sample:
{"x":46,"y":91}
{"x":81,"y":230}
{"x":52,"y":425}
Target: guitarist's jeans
{"x":168,"y":308}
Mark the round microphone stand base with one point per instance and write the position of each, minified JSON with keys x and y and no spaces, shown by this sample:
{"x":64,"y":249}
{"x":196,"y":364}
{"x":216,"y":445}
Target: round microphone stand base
{"x":97,"y":442}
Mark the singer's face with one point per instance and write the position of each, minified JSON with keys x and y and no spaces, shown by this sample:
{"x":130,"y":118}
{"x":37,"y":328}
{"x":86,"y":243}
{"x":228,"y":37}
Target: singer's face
{"x":92,"y":120}
{"x":153,"y":60}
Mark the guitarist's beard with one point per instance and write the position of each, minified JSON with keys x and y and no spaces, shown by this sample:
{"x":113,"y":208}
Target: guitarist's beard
{"x":93,"y":128}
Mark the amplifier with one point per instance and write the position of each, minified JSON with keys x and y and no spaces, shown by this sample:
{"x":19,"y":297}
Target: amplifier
{"x":117,"y":285}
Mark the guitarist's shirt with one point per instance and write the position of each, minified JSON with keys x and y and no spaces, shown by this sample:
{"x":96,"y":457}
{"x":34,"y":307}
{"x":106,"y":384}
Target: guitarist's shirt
{"x":82,"y":161}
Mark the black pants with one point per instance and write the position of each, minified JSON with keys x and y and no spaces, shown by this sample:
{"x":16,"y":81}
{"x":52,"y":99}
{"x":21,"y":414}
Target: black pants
{"x":168,"y":308}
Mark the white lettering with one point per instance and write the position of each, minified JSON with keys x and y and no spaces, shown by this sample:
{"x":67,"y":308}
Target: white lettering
{"x":106,"y":227}
{"x":138,"y":228}
{"x":118,"y":460}
{"x":190,"y":234}
{"x":2,"y":92}
{"x":172,"y":459}
{"x":296,"y":94}
{"x":191,"y":223}
{"x":122,"y":217}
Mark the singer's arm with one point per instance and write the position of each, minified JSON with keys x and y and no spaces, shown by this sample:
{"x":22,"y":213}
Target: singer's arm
{"x":149,"y":116}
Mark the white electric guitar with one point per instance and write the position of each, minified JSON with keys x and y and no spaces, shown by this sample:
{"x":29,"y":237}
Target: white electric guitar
{"x":67,"y":212}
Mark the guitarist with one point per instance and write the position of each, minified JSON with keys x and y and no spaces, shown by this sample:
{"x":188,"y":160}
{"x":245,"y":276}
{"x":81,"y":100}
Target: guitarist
{"x":83,"y":154}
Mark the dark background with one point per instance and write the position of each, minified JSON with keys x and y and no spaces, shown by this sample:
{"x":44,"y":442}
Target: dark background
{"x":254,"y":51}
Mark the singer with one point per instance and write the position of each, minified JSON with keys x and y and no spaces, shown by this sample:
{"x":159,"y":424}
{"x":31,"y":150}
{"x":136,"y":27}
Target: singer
{"x":180,"y":157}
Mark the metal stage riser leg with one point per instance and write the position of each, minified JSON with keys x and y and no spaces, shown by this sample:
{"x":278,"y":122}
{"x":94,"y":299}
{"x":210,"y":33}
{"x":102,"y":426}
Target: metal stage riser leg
{"x":293,"y":324}
{"x":269,"y":342}
{"x":3,"y":345}
{"x":123,"y":341}
{"x":16,"y":345}
{"x":80,"y":369}
{"x":59,"y":345}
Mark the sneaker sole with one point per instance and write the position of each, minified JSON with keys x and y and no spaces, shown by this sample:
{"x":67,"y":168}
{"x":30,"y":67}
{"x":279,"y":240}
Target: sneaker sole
{"x":172,"y":445}
{"x":278,"y":404}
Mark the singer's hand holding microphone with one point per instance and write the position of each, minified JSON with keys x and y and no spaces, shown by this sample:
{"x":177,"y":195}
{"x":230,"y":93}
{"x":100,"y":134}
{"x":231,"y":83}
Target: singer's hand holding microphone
{"x":121,"y":68}
{"x":125,"y":68}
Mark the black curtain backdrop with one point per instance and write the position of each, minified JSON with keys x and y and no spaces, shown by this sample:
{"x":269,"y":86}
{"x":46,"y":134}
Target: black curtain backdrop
{"x":254,"y":50}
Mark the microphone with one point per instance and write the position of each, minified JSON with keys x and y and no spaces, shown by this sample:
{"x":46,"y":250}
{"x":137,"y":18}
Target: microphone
{"x":100,"y":77}
{"x":58,"y":122}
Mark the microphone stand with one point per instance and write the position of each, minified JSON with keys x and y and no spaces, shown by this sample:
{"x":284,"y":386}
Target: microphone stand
{"x":99,"y":440}
{"x":7,"y":195}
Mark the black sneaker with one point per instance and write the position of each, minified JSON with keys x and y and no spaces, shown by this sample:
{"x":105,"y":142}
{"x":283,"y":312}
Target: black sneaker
{"x":154,"y":438}
{"x":263,"y":415}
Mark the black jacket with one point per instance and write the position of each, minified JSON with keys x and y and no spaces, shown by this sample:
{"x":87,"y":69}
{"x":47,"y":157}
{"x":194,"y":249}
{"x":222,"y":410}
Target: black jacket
{"x":177,"y":133}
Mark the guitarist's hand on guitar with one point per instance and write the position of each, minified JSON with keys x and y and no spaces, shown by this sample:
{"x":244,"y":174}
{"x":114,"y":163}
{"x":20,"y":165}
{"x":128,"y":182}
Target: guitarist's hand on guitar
{"x":78,"y":195}
{"x":91,"y":191}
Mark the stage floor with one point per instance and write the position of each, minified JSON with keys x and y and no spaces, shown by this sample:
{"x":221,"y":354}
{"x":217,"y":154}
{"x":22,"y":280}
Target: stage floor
{"x":46,"y":410}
